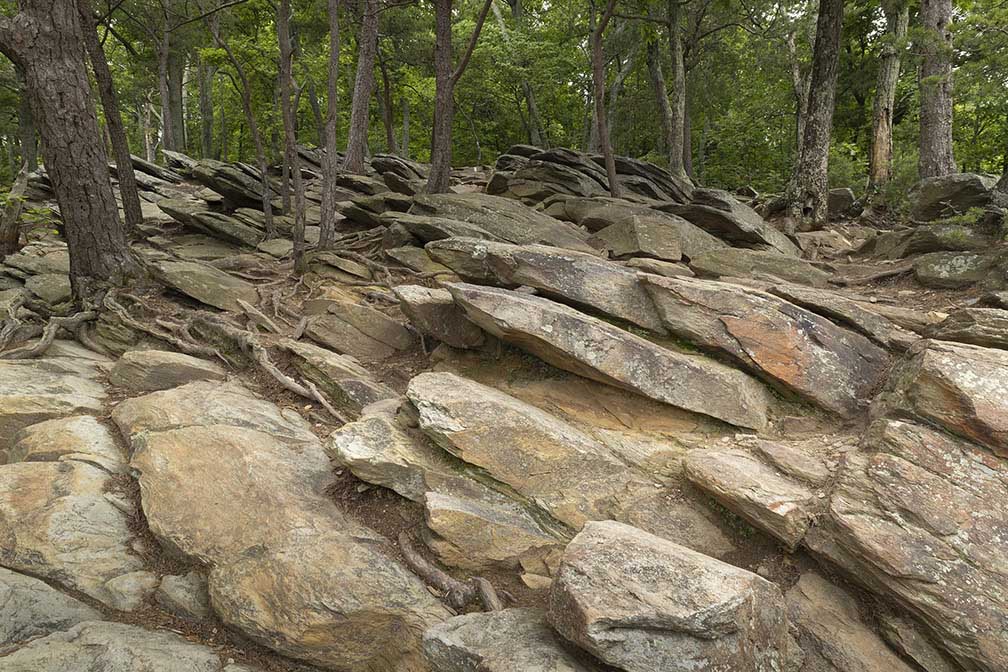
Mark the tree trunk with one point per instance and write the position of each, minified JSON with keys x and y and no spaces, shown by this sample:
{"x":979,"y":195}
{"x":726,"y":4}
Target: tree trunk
{"x":687,"y":145}
{"x":113,"y":118}
{"x":46,"y":39}
{"x":935,"y":82}
{"x":148,"y":132}
{"x":386,"y":108}
{"x":360,"y":106}
{"x":809,"y":188}
{"x":880,"y":161}
{"x":167,"y":116}
{"x":176,"y":76}
{"x":316,"y":110}
{"x":800,"y":88}
{"x":10,"y":220}
{"x":534,"y":126}
{"x":26,"y":128}
{"x":290,"y":130}
{"x":661,"y":96}
{"x":330,"y":163}
{"x":626,"y":67}
{"x":404,"y":147}
{"x":598,"y":83}
{"x":206,"y":107}
{"x":677,"y":92}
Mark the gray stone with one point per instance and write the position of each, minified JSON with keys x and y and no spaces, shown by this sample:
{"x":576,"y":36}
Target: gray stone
{"x":951,"y":270}
{"x":152,"y":370}
{"x":186,"y":596}
{"x":346,"y":384}
{"x":839,"y":202}
{"x":742,"y":263}
{"x":206,"y":284}
{"x":360,"y":331}
{"x":906,"y":637}
{"x":949,"y":195}
{"x":722,"y":215}
{"x":980,"y":326}
{"x":924,"y":239}
{"x":79,"y":437}
{"x":433,"y":312}
{"x":658,"y":267}
{"x":641,"y":604}
{"x":594,"y":349}
{"x":52,"y":288}
{"x":30,"y":608}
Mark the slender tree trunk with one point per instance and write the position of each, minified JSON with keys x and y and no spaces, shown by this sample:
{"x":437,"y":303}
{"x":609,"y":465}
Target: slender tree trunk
{"x":616,"y":89}
{"x":880,"y":161}
{"x":598,"y":81}
{"x":677,"y":93}
{"x":386,"y":108}
{"x":167,"y":114}
{"x":113,"y":119}
{"x":661,"y":96}
{"x":809,"y":188}
{"x":316,"y":110}
{"x":10,"y":218}
{"x":148,"y":132}
{"x":935,"y":81}
{"x":46,"y":39}
{"x":26,"y":128}
{"x":687,"y":145}
{"x":330,"y":162}
{"x":176,"y":76}
{"x":367,"y":47}
{"x":290,"y":130}
{"x":206,"y":107}
{"x":534,"y":126}
{"x":405,"y":146}
{"x":800,"y":88}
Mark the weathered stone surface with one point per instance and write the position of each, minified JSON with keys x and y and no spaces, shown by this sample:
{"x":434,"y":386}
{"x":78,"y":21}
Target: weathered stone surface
{"x":923,"y":239}
{"x":303,"y":580}
{"x":757,"y":492}
{"x":591,"y":348}
{"x":103,"y":646}
{"x":428,"y":228}
{"x":642,"y":237}
{"x":626,"y":230}
{"x":39,"y":259}
{"x":963,"y":388}
{"x":230,"y":181}
{"x":574,"y":277}
{"x":952,"y":269}
{"x":949,"y":195}
{"x":757,"y":264}
{"x":721,"y":214}
{"x":52,"y":288}
{"x":658,"y":267}
{"x":30,"y":608}
{"x":919,"y":518}
{"x":504,"y":218}
{"x":849,"y":313}
{"x":641,"y":603}
{"x":152,"y":370}
{"x":360,"y":331}
{"x":500,"y":641}
{"x":980,"y":326}
{"x":345,"y":383}
{"x":206,"y":284}
{"x":35,"y":390}
{"x":417,"y":259}
{"x":790,"y":346}
{"x":81,"y":437}
{"x":59,"y":524}
{"x":839,"y":202}
{"x":186,"y":596}
{"x":906,"y":637}
{"x":536,"y":179}
{"x":433,"y":312}
{"x":831,"y":633}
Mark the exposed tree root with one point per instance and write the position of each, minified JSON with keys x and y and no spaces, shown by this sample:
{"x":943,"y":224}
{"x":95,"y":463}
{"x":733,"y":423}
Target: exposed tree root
{"x":37,"y":349}
{"x":459,"y":594}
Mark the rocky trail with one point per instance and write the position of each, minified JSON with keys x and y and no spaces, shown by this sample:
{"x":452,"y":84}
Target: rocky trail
{"x":520,"y":426}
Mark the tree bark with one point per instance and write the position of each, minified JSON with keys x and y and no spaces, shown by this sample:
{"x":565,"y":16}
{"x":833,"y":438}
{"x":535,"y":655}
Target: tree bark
{"x":206,"y":107}
{"x":26,"y":128}
{"x":46,"y":39}
{"x":445,"y":80}
{"x":534,"y":126}
{"x":935,"y":83}
{"x":598,"y":85}
{"x":316,"y":109}
{"x":167,"y":116}
{"x":661,"y":97}
{"x":800,"y":88}
{"x":677,"y":76}
{"x":360,"y":105}
{"x":113,"y":118}
{"x":405,"y":146}
{"x":330,"y":163}
{"x":10,"y":219}
{"x":809,"y":189}
{"x":290,"y":130}
{"x":176,"y":77}
{"x":897,"y":15}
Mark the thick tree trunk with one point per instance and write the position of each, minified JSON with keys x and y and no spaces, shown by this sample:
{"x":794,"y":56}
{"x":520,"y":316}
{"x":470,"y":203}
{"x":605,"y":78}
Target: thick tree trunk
{"x":935,"y":81}
{"x":167,"y":116}
{"x":385,"y":101}
{"x":290,"y":130}
{"x":661,"y":96}
{"x":46,"y":39}
{"x":26,"y":128}
{"x":598,"y":85}
{"x":360,"y":106}
{"x":897,"y":15}
{"x":113,"y":118}
{"x":206,"y":108}
{"x":176,"y":77}
{"x":800,"y":89}
{"x":444,"y":106}
{"x":687,"y":145}
{"x":10,"y":219}
{"x":677,"y":92}
{"x":330,"y":163}
{"x":809,"y":188}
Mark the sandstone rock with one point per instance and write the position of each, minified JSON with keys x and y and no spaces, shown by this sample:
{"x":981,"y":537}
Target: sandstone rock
{"x":906,"y":637}
{"x":433,"y":312}
{"x":831,"y":633}
{"x":185,"y":596}
{"x":742,"y":263}
{"x":918,"y":518}
{"x":206,"y":284}
{"x":428,"y":228}
{"x":658,"y":267}
{"x":591,"y":348}
{"x":30,"y":608}
{"x":952,"y":269}
{"x":641,"y":237}
{"x":980,"y":326}
{"x":500,"y":641}
{"x":59,"y":524}
{"x":129,"y":591}
{"x":359,"y":331}
{"x":963,"y":388}
{"x":79,"y":437}
{"x":230,"y":181}
{"x":798,"y":350}
{"x":923,"y":239}
{"x":345,"y":383}
{"x":949,"y":195}
{"x":113,"y":647}
{"x":418,"y":260}
{"x":40,"y":259}
{"x":755,"y":491}
{"x":52,"y":288}
{"x":537,"y":179}
{"x":641,"y":603}
{"x":574,"y":277}
{"x":152,"y":370}
{"x":721,"y":214}
{"x":840,"y":202}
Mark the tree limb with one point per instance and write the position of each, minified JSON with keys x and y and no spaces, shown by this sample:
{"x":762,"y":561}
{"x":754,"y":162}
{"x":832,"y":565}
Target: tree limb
{"x":480,"y":20}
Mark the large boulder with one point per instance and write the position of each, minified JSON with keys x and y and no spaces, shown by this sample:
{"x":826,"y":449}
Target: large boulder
{"x":206,"y":284}
{"x":511,"y":640}
{"x":80,"y":436}
{"x":640,"y":603}
{"x":963,"y":388}
{"x":722,"y":215}
{"x":151,"y":370}
{"x":230,"y":181}
{"x":980,"y":326}
{"x":918,"y":516}
{"x":641,"y":232}
{"x":30,"y":608}
{"x":757,"y":264}
{"x":346,"y":384}
{"x":924,"y":239}
{"x":433,"y":312}
{"x":954,"y":270}
{"x":786,"y":345}
{"x":949,"y":195}
{"x":360,"y":331}
{"x":592,"y":348}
